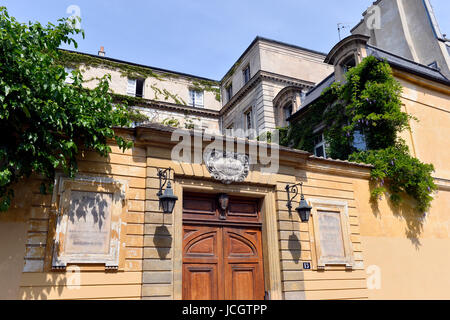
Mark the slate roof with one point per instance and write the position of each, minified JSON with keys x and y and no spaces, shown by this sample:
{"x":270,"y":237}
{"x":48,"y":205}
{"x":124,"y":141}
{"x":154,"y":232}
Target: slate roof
{"x":394,"y":60}
{"x":408,"y":65}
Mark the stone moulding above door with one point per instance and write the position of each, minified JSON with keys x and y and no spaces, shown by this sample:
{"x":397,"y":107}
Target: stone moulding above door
{"x":227,"y":167}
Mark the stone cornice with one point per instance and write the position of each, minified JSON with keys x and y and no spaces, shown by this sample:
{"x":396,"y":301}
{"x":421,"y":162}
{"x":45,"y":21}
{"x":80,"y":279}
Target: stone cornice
{"x":160,"y":105}
{"x":338,"y":167}
{"x":259,"y":76}
{"x":159,"y":135}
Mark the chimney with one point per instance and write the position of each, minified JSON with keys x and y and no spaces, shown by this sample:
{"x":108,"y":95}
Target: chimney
{"x":101,"y":53}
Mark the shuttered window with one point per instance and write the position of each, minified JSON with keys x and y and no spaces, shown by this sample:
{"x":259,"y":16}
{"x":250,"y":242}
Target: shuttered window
{"x":131,"y":88}
{"x":196,"y":98}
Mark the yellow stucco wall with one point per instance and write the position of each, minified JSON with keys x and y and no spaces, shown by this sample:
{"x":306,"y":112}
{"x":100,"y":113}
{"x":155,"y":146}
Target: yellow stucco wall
{"x":407,"y":257}
{"x":13,"y":235}
{"x":27,"y":231}
{"x":429,"y":136}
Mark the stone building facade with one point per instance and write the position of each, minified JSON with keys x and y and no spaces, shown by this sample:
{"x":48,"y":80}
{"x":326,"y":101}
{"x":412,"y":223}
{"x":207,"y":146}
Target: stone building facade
{"x":232,"y":233}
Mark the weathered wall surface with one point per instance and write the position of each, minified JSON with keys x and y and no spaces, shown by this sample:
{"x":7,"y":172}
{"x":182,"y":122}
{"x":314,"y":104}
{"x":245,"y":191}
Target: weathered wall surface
{"x":406,"y":256}
{"x":281,"y":66}
{"x":335,"y":282}
{"x":294,"y":63}
{"x":291,"y":242}
{"x":175,"y":85}
{"x":13,"y":236}
{"x":235,"y":76}
{"x":407,"y":253}
{"x":38,"y":281}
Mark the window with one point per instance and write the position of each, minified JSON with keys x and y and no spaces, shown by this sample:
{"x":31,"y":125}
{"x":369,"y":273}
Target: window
{"x":196,"y":98}
{"x":287,"y":110}
{"x":331,"y":227}
{"x":69,"y":77}
{"x":319,"y":146}
{"x":359,"y":141}
{"x":348,"y":63}
{"x":434,"y":65}
{"x":229,"y":130}
{"x":302,"y":97}
{"x":246,"y":74}
{"x":229,"y":92}
{"x":135,"y":88}
{"x":249,"y":120}
{"x":249,"y":124}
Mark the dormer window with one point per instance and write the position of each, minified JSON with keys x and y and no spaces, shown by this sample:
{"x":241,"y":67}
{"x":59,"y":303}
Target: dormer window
{"x":287,"y":111}
{"x":319,"y":146}
{"x":348,"y":63}
{"x":359,"y":141}
{"x":135,"y":88}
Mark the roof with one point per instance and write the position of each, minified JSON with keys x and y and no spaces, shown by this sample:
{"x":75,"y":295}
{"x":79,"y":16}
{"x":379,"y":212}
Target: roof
{"x":141,"y":65}
{"x":314,"y":94}
{"x":408,"y":65}
{"x":259,"y":38}
{"x":395,"y":61}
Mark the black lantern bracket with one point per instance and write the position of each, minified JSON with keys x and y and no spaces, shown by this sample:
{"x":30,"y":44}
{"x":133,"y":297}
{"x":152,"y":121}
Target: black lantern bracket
{"x":304,"y":210}
{"x":167,"y":199}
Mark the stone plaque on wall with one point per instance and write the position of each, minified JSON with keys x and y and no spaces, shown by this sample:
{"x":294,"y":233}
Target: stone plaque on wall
{"x":89,"y":223}
{"x":330,"y":232}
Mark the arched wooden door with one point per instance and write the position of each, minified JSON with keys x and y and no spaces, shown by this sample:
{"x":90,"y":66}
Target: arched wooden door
{"x":222,"y":251}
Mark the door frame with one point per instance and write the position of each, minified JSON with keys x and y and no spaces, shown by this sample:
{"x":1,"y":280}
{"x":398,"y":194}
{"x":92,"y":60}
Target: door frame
{"x":270,"y":239}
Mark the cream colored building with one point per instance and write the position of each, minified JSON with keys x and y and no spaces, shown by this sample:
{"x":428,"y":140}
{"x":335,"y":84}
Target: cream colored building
{"x":407,"y":28}
{"x":397,"y":244}
{"x":252,"y":247}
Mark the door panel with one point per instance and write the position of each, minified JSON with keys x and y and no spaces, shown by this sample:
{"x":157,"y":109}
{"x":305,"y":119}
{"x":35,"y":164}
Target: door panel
{"x":241,"y":286}
{"x":244,"y":279}
{"x":221,"y":261}
{"x":200,"y":282}
{"x":202,"y":255}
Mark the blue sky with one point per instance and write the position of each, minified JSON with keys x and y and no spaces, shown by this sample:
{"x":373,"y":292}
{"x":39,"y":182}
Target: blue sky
{"x":201,"y":37}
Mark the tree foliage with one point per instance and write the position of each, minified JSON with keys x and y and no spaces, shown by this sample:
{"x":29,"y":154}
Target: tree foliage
{"x":44,"y":121}
{"x":368,"y":103}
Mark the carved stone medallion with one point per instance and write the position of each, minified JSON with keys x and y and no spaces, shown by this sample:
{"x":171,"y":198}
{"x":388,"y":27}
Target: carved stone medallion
{"x":227,"y":167}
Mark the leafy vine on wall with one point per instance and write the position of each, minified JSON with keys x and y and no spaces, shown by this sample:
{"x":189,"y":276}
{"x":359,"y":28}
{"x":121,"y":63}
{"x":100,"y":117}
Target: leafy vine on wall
{"x":368,"y":103}
{"x":75,"y":60}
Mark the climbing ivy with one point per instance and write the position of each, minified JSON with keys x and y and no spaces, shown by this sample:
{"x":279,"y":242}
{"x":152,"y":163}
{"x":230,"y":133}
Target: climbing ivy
{"x":368,"y":103}
{"x":44,"y":121}
{"x":76,"y":60}
{"x":208,"y":86}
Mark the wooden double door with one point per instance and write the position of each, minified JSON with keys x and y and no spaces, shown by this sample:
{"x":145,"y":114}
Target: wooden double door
{"x":222,"y":249}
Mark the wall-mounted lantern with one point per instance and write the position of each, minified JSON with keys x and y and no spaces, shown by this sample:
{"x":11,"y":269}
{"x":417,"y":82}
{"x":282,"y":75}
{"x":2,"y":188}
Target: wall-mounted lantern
{"x":303,"y":210}
{"x":167,"y":199}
